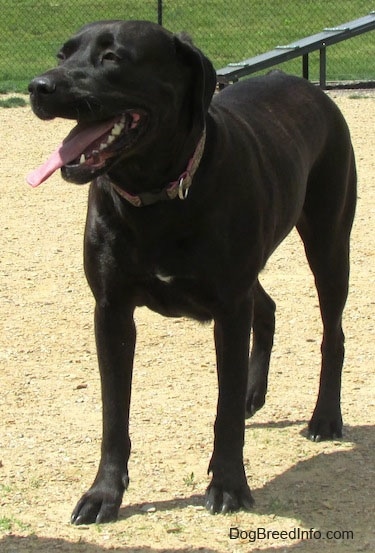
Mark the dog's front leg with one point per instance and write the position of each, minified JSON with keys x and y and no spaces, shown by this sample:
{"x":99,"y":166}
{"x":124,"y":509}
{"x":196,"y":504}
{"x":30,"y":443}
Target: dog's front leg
{"x":115,"y":338}
{"x":228,"y":490}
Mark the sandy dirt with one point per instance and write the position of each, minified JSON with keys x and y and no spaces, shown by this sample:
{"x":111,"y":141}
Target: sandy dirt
{"x":50,"y":411}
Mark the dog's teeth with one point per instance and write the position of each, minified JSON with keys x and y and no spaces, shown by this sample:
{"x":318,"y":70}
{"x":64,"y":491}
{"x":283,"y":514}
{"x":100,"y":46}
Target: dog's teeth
{"x":82,"y":159}
{"x":96,"y":156}
{"x":117,"y":129}
{"x":102,"y":146}
{"x":110,"y":139}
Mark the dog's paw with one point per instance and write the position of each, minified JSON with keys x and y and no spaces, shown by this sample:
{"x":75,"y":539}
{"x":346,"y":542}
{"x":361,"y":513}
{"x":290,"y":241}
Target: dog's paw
{"x":255,"y":399}
{"x":97,"y":506}
{"x":221,"y":500}
{"x":325,"y":427}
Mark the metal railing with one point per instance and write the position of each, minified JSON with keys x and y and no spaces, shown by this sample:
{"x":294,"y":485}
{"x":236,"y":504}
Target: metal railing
{"x":299,"y":48}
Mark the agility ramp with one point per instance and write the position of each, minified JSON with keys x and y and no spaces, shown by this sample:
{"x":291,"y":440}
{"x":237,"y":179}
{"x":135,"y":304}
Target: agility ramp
{"x":299,"y":48}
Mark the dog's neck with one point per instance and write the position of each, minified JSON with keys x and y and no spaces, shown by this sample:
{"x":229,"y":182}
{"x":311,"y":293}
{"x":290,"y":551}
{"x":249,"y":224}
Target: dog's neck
{"x":178,"y":188}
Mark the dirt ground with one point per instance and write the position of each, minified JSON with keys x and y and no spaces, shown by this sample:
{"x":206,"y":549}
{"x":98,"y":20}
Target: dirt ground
{"x":50,"y":409}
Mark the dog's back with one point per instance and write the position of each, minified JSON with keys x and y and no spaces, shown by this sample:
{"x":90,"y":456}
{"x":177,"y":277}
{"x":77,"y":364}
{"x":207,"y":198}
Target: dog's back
{"x":279,"y":108}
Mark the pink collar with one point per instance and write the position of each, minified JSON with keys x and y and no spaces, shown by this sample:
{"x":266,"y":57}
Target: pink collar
{"x":178,"y":188}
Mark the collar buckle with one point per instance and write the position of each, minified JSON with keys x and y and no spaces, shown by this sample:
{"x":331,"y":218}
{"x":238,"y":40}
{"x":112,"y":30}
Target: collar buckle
{"x":184,"y":185}
{"x":179,"y":188}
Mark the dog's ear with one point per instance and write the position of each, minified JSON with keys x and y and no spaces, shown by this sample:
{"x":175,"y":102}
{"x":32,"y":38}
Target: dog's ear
{"x":203,"y":74}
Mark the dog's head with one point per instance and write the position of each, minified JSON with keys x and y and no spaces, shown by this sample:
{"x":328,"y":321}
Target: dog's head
{"x":128,"y":85}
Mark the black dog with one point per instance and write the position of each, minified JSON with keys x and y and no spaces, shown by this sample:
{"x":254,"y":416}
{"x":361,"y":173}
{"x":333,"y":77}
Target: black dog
{"x":189,"y":198}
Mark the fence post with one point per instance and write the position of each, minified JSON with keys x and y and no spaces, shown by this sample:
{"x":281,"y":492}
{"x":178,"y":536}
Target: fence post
{"x":160,"y":12}
{"x":305,"y":66}
{"x":323,"y":68}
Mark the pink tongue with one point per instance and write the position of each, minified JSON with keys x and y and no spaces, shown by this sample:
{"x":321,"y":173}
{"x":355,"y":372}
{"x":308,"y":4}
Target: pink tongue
{"x":73,"y":146}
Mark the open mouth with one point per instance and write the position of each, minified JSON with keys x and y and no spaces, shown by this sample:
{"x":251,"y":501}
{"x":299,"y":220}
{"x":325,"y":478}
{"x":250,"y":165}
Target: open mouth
{"x":121,"y":136}
{"x":91,"y":148}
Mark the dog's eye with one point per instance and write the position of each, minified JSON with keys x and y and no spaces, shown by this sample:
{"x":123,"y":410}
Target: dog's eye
{"x":111,"y":57}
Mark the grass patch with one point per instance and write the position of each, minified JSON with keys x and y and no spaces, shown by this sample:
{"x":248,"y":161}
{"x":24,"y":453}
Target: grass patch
{"x":224,"y":31}
{"x":190,"y":481}
{"x":278,"y":507}
{"x":8,"y":524}
{"x":13,"y":102}
{"x":358,"y":96}
{"x":5,"y":524}
{"x":8,"y":87}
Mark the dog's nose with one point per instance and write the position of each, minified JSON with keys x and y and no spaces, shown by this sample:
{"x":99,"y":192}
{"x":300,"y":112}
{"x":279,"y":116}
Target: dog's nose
{"x":42,"y":85}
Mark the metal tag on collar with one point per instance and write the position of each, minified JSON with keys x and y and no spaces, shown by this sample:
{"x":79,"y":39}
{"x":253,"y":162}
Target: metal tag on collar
{"x":183,"y":186}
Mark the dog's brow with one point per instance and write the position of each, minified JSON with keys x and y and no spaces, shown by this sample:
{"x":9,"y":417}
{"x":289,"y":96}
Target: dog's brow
{"x":105,"y":39}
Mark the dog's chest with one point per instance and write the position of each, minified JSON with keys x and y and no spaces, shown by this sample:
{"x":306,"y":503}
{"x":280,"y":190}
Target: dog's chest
{"x":167,"y":279}
{"x":170,"y":267}
{"x":173,"y":285}
{"x":175,"y":295}
{"x":168,"y":257}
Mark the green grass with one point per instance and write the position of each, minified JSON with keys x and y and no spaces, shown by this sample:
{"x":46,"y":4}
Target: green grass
{"x":32,"y":31}
{"x":12,"y":102}
{"x":189,"y":481}
{"x":7,"y":524}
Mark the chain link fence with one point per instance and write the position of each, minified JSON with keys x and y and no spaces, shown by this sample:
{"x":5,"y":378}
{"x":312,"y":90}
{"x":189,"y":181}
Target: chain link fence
{"x":227,"y":31}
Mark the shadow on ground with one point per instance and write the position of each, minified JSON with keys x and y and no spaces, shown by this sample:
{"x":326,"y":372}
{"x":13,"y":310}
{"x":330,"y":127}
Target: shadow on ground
{"x":16,"y":544}
{"x":329,"y":492}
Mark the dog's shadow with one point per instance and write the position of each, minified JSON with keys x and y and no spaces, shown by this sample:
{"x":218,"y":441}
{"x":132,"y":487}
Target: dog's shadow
{"x":18,"y":544}
{"x":336,"y":487}
{"x":330,"y":491}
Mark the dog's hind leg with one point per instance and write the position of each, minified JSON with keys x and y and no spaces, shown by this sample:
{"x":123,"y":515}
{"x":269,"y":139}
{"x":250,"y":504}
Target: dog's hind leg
{"x":263,"y":333}
{"x":325,"y":228}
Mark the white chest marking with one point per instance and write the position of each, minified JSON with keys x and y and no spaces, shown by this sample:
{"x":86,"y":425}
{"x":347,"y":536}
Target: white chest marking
{"x":164,"y":278}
